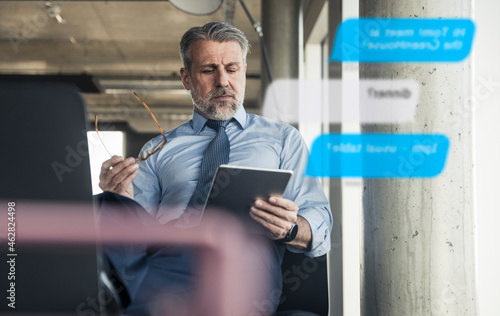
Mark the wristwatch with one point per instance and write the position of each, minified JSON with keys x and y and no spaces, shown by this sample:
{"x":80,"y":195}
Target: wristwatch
{"x":291,"y":234}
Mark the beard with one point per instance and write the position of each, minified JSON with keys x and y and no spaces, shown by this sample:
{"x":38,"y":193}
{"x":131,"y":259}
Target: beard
{"x":218,"y":110}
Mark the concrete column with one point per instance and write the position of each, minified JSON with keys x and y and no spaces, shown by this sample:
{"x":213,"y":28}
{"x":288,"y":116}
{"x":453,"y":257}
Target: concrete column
{"x":335,"y":256}
{"x":419,"y":234}
{"x":280,"y":24}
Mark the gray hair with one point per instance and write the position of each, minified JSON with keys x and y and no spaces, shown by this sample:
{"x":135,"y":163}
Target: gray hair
{"x":213,"y":31}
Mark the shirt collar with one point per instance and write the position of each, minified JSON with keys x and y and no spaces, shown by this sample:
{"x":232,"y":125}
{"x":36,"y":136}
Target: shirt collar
{"x":198,"y":121}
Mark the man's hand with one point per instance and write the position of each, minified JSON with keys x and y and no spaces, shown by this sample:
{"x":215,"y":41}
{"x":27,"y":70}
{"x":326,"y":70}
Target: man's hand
{"x":117,"y":175}
{"x":277,"y":215}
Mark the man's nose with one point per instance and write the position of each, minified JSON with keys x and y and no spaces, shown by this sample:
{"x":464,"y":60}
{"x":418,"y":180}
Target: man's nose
{"x":221,"y":79}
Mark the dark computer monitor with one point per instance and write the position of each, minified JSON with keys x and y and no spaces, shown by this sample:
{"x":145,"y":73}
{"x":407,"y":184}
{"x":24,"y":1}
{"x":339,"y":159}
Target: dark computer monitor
{"x":44,"y":158}
{"x":44,"y":143}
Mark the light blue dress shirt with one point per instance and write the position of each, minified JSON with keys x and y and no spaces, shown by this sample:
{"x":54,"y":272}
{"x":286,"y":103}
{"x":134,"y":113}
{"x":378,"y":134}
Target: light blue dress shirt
{"x":167,"y":180}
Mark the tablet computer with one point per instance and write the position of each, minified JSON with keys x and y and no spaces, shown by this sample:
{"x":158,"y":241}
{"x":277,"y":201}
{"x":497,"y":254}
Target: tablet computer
{"x":235,"y":188}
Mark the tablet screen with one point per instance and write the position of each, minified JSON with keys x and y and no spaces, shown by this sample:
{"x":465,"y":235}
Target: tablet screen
{"x":235,"y":188}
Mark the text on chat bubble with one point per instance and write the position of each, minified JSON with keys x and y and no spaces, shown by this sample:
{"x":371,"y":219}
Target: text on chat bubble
{"x":378,"y":155}
{"x":403,"y":40}
{"x":379,"y":100}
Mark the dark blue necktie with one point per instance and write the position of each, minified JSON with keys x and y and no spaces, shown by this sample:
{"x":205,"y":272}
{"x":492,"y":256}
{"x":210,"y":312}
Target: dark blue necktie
{"x":216,"y":154}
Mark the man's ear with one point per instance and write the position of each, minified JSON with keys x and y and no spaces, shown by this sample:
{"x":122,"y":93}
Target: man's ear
{"x":185,"y":78}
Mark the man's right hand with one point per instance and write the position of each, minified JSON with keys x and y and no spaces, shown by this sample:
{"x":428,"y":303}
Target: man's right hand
{"x":117,"y":175}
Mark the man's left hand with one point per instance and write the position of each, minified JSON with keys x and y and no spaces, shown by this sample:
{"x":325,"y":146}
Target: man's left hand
{"x":277,"y":216}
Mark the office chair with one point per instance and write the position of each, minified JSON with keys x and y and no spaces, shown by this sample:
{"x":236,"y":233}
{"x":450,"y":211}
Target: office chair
{"x":305,"y":286}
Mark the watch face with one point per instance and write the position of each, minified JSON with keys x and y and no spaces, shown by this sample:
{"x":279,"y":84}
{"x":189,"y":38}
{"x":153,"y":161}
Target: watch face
{"x":293,"y":231}
{"x":291,"y":234}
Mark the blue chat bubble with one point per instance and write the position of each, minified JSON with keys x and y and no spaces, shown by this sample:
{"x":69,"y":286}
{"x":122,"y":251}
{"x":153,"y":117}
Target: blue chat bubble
{"x":378,"y":155}
{"x":403,"y":40}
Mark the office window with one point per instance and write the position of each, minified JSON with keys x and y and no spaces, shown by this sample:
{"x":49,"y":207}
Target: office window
{"x":114,"y":142}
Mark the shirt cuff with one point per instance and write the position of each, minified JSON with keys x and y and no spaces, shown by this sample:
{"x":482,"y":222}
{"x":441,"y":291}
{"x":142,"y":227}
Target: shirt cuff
{"x":320,"y":243}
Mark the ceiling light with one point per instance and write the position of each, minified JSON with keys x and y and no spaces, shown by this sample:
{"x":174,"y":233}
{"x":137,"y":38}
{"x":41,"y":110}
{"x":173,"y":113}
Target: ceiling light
{"x":54,"y":11}
{"x":197,"y":7}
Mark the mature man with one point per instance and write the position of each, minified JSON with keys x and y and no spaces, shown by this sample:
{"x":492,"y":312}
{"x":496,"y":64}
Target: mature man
{"x":214,"y":58}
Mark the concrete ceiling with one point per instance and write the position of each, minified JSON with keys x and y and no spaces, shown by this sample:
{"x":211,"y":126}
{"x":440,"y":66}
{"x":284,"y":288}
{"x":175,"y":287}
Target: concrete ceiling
{"x":122,"y":46}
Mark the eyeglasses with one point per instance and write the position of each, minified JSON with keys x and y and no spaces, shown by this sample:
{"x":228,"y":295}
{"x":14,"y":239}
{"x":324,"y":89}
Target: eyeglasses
{"x":149,"y":153}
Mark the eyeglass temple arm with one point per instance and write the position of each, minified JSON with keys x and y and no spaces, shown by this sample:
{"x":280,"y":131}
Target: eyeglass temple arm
{"x":150,"y":112}
{"x":98,"y":135}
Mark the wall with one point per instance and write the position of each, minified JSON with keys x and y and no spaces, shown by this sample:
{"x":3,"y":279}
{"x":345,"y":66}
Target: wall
{"x":487,"y":137}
